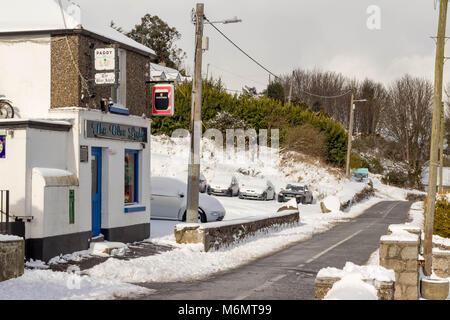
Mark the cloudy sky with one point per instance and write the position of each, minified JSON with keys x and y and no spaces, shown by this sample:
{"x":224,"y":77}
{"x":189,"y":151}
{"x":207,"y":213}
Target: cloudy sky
{"x":287,"y":34}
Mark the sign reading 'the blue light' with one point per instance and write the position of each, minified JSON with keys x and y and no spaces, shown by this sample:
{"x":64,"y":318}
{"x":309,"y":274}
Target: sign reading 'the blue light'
{"x":98,"y":129}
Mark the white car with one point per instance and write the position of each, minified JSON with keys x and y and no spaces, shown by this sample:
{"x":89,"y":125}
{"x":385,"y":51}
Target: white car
{"x":259,"y":189}
{"x":221,"y":186}
{"x":168,"y":201}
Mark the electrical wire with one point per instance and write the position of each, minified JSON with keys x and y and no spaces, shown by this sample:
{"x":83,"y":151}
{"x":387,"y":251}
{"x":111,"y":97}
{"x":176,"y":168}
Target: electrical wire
{"x":267,"y":70}
{"x":234,"y":44}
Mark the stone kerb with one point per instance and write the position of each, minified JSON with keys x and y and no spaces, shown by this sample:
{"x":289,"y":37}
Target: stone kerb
{"x":12,"y":255}
{"x":220,"y":234}
{"x":399,"y":251}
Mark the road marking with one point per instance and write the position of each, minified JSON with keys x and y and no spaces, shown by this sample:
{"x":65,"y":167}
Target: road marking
{"x":332,"y":247}
{"x":269,"y":282}
{"x":265,"y":285}
{"x":348,"y":238}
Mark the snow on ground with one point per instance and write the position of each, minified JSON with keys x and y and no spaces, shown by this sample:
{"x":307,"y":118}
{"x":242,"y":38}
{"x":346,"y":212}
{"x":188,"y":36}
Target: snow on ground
{"x":351,"y":287}
{"x":50,"y":285}
{"x":189,"y":261}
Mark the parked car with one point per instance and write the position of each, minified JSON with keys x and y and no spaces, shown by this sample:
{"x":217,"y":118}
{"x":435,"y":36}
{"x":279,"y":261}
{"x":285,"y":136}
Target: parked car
{"x":258,"y":189}
{"x":202,"y":183}
{"x":300,"y":193}
{"x":221,"y":186}
{"x":168,"y":201}
{"x":360,"y":174}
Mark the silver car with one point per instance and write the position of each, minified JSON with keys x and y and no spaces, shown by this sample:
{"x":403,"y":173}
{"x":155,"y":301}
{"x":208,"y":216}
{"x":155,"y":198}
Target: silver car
{"x":258,"y":189}
{"x":168,"y":201}
{"x":220,"y":186}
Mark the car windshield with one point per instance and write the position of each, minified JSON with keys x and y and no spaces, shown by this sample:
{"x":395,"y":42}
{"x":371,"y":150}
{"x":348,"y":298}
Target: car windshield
{"x":295,"y":188}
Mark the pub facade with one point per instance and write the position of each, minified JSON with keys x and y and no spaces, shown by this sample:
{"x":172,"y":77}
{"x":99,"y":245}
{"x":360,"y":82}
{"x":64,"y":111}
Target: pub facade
{"x":76,"y":157}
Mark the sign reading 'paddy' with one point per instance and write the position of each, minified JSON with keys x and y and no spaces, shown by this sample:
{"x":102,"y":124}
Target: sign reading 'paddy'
{"x":98,"y":129}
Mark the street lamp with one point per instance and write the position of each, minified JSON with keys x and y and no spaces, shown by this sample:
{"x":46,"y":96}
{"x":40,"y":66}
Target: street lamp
{"x":350,"y":132}
{"x":232,"y":20}
{"x":201,"y":44}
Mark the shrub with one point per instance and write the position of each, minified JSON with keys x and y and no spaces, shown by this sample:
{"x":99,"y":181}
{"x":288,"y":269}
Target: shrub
{"x":257,"y":112}
{"x":396,"y":178}
{"x":356,"y":161}
{"x":441,"y":225}
{"x":306,"y":139}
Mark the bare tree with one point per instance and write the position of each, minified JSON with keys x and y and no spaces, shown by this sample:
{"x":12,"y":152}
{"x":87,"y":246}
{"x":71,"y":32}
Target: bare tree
{"x":311,"y":86}
{"x":407,"y":119}
{"x":368,"y":114}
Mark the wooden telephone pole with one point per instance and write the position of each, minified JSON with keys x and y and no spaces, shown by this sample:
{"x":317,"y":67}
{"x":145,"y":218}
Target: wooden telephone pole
{"x":441,"y":148}
{"x":196,"y":122}
{"x":350,"y":132}
{"x":290,"y":88}
{"x":437,"y":104}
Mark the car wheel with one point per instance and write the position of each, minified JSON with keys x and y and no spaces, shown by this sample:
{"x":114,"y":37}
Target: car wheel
{"x":280,"y":199}
{"x":201,"y":216}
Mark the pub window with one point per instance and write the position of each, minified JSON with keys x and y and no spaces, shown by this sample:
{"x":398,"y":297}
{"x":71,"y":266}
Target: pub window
{"x":131,"y":176}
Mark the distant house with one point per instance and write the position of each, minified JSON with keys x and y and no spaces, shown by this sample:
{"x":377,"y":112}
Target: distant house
{"x":76,"y":171}
{"x":162,"y":73}
{"x":445,"y":176}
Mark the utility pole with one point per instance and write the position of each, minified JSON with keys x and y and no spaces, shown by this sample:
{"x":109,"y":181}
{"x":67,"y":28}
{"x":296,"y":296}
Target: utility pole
{"x":437,"y":104}
{"x":441,"y":148}
{"x":350,"y":132}
{"x":196,"y":123}
{"x":290,"y":89}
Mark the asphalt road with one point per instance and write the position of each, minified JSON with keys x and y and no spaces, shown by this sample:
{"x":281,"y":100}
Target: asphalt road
{"x":290,"y":274}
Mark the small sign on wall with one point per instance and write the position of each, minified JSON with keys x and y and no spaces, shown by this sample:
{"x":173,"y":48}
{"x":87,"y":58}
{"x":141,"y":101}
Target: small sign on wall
{"x":105,"y":59}
{"x":84,"y":154}
{"x":2,"y":147}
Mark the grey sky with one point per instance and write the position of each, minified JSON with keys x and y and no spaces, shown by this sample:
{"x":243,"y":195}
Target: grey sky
{"x":287,"y":34}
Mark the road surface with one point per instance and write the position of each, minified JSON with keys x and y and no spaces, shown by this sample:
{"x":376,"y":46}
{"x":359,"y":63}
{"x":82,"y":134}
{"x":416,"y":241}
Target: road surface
{"x":290,"y":274}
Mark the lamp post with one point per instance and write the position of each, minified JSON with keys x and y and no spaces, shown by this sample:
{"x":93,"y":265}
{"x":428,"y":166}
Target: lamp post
{"x":350,"y":131}
{"x":196,"y":107}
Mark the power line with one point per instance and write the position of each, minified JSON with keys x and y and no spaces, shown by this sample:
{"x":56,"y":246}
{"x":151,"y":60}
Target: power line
{"x":234,"y":44}
{"x":276,"y":77}
{"x":236,"y":75}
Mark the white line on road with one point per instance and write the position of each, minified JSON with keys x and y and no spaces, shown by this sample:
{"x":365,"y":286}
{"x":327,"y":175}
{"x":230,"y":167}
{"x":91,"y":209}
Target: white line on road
{"x":269,"y":282}
{"x":261,"y":287}
{"x":332,"y":247}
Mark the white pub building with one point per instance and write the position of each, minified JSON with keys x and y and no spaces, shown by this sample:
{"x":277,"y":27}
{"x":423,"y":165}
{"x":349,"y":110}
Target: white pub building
{"x":76,"y":145}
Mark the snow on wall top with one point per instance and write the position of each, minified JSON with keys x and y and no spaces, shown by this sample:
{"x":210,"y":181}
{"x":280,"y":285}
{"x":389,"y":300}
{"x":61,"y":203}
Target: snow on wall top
{"x":46,"y":15}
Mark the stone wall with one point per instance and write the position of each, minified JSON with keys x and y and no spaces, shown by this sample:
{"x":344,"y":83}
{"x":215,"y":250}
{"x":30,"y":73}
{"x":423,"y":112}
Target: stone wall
{"x":66,"y":85}
{"x":12,"y":255}
{"x":441,"y":263}
{"x":220,"y":234}
{"x":399,"y":252}
{"x":385,"y":289}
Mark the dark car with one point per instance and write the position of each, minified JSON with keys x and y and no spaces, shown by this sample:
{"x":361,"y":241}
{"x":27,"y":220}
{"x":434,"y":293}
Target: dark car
{"x":300,"y":193}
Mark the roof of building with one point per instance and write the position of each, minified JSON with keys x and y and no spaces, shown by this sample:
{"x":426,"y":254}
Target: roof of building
{"x":58,"y":15}
{"x":445,"y":176}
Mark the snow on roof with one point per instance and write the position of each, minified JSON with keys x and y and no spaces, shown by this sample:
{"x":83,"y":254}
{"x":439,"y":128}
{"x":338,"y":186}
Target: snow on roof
{"x":445,"y":175}
{"x":47,"y":15}
{"x":158,"y":67}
